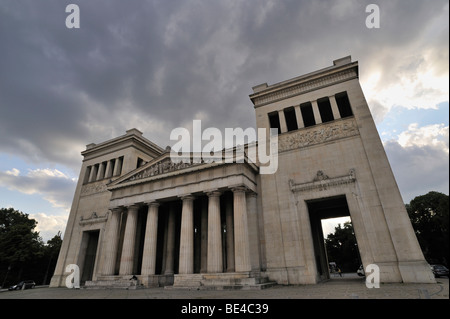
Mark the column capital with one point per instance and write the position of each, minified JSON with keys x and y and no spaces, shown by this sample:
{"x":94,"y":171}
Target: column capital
{"x":133,"y":207}
{"x":187,"y":197}
{"x":117,"y":209}
{"x":152,"y":203}
{"x":213,"y":193}
{"x":239,"y":189}
{"x":251,"y":194}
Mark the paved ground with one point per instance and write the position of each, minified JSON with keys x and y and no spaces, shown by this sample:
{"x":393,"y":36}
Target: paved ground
{"x":337,"y":288}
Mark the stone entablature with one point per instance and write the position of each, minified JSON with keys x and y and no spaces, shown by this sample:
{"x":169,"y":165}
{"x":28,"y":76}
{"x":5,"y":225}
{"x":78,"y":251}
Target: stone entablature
{"x":321,"y":133}
{"x":175,"y":184}
{"x":269,"y":94}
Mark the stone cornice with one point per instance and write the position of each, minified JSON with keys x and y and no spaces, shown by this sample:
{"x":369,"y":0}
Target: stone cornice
{"x":304,"y":84}
{"x":133,"y":137}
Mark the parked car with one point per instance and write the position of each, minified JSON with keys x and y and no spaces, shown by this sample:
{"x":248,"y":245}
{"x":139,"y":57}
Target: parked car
{"x":360,"y":271}
{"x":23,"y":285}
{"x":439,"y":270}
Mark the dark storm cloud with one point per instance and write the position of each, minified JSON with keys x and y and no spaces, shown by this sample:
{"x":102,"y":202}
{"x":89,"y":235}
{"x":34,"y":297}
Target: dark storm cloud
{"x":156,"y":65}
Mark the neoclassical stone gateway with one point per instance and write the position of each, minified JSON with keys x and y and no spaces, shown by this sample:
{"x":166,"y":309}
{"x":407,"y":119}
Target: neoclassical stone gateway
{"x":135,"y":212}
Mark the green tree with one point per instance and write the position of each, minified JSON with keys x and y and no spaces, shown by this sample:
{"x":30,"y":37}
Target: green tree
{"x":342,"y":248}
{"x":51,"y":252}
{"x":429,"y":217}
{"x":20,"y":245}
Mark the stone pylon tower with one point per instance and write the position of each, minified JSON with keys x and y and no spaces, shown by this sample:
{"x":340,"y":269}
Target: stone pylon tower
{"x":331,"y":163}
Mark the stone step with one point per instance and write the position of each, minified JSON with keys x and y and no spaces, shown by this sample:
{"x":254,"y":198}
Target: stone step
{"x":224,"y":287}
{"x":112,"y":284}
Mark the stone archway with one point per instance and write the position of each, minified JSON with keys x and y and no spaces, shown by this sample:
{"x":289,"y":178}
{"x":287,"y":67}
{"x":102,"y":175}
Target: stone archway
{"x":319,"y":209}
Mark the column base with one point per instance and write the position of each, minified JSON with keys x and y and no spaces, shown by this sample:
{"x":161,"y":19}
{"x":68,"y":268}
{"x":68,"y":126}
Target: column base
{"x":416,"y":272}
{"x":58,"y":281}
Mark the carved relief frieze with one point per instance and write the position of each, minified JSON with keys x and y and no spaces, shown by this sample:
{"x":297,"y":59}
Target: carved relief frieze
{"x":93,"y":188}
{"x":317,"y":134}
{"x":162,"y":167}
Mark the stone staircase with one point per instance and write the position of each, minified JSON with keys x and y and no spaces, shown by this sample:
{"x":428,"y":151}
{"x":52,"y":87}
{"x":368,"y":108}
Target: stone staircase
{"x":222,"y":281}
{"x":206,"y":281}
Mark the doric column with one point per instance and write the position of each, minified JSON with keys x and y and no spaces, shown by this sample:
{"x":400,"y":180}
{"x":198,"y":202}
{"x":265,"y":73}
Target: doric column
{"x":316,"y":112}
{"x":241,"y":242}
{"x":253,"y":229}
{"x":281,"y":117}
{"x":334,"y":107}
{"x":230,"y":234}
{"x":93,"y":173}
{"x":170,"y":244}
{"x":101,"y":171}
{"x":112,"y":242}
{"x":127,"y":259}
{"x":108,"y":170}
{"x":117,"y":166}
{"x":204,"y":237}
{"x":186,"y":260}
{"x":298,"y":115}
{"x":151,"y":232}
{"x":215,"y":261}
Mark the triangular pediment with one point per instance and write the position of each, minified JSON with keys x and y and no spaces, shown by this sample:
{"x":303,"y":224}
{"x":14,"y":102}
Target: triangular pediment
{"x":157,"y":168}
{"x":163,"y":166}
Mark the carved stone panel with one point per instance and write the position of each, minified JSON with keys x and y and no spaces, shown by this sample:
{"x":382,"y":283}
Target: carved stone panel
{"x":317,"y":134}
{"x":322,"y":182}
{"x":93,"y":188}
{"x":162,"y":167}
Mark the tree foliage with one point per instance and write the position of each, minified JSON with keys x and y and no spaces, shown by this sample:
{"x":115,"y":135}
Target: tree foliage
{"x":23,"y":254}
{"x":342,"y":248}
{"x":429,"y":216}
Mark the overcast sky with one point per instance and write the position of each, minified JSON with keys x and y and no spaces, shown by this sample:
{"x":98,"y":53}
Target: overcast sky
{"x":157,"y":65}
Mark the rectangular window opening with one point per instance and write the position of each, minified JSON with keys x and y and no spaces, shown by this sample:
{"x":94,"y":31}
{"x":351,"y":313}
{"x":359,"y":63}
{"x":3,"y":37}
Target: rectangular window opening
{"x":345,"y":110}
{"x":325,"y":111}
{"x":274,"y":121}
{"x":291,"y":120}
{"x":140,"y":162}
{"x":120,"y":165}
{"x":307,"y":114}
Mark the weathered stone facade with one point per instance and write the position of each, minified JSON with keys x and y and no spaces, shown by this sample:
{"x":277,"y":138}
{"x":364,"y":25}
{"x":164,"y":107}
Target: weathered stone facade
{"x":198,"y":224}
